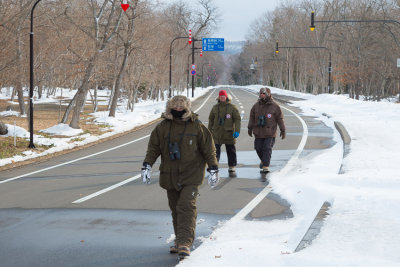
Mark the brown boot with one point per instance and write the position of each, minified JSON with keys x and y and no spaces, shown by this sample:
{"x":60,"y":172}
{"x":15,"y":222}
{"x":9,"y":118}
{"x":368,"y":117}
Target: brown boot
{"x":265,"y":169}
{"x":183,"y":251}
{"x":173,"y":249}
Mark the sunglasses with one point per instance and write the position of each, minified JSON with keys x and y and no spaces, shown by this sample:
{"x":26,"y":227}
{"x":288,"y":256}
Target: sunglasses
{"x":262,"y":93}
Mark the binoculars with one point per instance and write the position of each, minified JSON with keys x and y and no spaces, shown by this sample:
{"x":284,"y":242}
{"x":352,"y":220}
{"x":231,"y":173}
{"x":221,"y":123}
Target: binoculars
{"x":174,"y":152}
{"x":221,"y":121}
{"x":261,"y":121}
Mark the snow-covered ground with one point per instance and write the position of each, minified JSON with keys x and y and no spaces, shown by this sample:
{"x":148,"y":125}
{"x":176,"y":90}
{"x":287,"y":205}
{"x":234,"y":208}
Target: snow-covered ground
{"x":144,"y":112}
{"x":363,"y":226}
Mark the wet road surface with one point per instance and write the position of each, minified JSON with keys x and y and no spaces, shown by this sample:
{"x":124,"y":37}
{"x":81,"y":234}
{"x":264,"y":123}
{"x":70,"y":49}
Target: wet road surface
{"x":131,"y":224}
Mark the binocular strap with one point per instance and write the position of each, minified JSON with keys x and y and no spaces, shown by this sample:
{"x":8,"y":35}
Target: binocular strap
{"x":169,"y":134}
{"x":226,"y":111}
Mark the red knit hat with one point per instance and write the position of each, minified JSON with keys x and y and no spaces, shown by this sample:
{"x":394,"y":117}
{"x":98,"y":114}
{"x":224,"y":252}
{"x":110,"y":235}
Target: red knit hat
{"x":223,"y":92}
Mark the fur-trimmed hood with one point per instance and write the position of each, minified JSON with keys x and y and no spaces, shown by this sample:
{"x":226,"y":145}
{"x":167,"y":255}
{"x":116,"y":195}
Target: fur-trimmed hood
{"x":178,"y":101}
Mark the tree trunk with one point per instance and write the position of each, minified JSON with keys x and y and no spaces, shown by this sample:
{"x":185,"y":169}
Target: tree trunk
{"x":81,"y":94}
{"x":18,"y":87}
{"x":69,"y":109}
{"x":114,"y":101}
{"x":111,"y":95}
{"x":95,"y":97}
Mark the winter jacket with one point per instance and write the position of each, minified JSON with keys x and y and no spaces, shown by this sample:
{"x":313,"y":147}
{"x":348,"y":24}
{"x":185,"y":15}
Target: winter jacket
{"x":196,"y":148}
{"x":269,"y":112}
{"x":223,"y":121}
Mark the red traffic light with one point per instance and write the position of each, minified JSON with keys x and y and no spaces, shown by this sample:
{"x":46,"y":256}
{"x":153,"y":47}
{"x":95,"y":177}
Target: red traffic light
{"x":190,"y":37}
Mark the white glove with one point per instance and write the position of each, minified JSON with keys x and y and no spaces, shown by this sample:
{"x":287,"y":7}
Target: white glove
{"x":146,"y":173}
{"x":213,"y":176}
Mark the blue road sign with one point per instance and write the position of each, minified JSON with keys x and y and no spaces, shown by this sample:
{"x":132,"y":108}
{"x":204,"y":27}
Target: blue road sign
{"x":193,"y":72}
{"x":213,"y":44}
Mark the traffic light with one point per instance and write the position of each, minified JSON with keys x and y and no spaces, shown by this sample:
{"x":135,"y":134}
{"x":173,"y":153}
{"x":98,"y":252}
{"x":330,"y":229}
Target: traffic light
{"x":277,"y":48}
{"x":312,"y":27}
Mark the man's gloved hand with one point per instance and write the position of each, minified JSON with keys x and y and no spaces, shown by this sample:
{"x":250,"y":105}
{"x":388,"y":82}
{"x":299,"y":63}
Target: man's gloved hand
{"x":146,"y":173}
{"x":235,"y":134}
{"x":250,"y":131}
{"x":283,"y":134}
{"x":213,"y":176}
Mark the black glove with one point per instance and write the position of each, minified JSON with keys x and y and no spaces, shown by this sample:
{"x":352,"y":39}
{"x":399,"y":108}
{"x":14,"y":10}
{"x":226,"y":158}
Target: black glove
{"x":250,"y":132}
{"x":146,"y":173}
{"x":213,"y":176}
{"x":283,"y":135}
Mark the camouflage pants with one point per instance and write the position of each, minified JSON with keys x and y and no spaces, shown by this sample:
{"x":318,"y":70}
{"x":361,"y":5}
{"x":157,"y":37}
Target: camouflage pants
{"x":184,"y":213}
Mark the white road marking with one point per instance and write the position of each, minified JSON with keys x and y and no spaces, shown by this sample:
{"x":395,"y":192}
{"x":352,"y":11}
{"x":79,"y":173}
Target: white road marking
{"x":205,"y":101}
{"x":85,"y":157}
{"x":127,"y":180}
{"x":72,"y":161}
{"x":291,"y":163}
{"x":106,"y":189}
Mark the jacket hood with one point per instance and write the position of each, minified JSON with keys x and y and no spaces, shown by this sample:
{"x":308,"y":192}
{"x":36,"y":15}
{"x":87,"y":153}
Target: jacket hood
{"x":266,"y":101}
{"x":178,"y":101}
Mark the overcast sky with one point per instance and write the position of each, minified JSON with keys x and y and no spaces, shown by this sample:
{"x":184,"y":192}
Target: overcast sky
{"x":237,"y":15}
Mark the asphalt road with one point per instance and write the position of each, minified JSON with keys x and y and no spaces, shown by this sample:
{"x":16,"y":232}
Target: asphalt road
{"x":90,"y":208}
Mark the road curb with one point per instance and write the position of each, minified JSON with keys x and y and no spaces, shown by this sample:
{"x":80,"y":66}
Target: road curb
{"x":343,"y":133}
{"x":316,"y":225}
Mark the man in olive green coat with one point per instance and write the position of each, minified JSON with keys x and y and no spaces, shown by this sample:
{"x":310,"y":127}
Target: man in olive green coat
{"x":224,"y":124}
{"x":185,"y":146}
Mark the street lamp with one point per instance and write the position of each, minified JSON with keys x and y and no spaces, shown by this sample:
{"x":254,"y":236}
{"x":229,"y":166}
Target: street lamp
{"x":313,"y":21}
{"x":31,"y":145}
{"x":253,"y":69}
{"x":310,"y":47}
{"x":170,"y":64}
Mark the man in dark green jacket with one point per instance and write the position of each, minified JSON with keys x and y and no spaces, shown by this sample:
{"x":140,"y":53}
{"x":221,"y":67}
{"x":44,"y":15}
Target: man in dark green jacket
{"x":185,"y":146}
{"x":224,"y":124}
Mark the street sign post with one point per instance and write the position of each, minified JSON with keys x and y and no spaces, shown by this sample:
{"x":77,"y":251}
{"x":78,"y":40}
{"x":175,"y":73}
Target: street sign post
{"x":213,"y":44}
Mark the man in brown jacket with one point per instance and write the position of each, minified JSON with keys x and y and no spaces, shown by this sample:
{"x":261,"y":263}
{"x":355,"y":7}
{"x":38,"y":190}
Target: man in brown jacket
{"x":265,"y":116}
{"x":185,"y":146}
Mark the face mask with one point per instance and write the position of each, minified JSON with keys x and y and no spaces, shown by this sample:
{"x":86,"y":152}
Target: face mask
{"x":177,"y":114}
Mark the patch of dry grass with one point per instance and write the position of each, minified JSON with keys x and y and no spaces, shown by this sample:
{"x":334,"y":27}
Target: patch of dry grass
{"x":44,"y":116}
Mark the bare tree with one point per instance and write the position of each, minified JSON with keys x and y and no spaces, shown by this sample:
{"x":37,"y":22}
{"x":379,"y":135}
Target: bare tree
{"x":105,"y":19}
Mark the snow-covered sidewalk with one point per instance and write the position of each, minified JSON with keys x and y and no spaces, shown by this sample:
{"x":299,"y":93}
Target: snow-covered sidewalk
{"x":363,"y":225}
